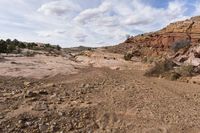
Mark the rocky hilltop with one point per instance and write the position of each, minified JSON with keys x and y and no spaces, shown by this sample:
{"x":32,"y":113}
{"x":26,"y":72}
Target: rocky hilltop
{"x":162,"y":40}
{"x":188,"y":29}
{"x":177,"y":46}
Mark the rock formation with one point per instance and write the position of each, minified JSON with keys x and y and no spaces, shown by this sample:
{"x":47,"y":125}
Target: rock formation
{"x":182,"y":30}
{"x":179,"y":42}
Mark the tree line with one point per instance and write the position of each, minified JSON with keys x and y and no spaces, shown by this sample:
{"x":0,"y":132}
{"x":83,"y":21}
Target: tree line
{"x":11,"y":46}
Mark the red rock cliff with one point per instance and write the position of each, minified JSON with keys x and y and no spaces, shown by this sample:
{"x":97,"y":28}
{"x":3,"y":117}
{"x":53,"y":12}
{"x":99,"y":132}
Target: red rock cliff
{"x":188,"y":29}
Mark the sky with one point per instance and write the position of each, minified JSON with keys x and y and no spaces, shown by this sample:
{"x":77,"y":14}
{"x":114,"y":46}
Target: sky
{"x":94,"y":23}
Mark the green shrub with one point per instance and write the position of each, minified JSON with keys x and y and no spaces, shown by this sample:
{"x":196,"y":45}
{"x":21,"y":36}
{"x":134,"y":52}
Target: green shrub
{"x":15,"y":46}
{"x":176,"y":46}
{"x":29,"y":54}
{"x":3,"y":47}
{"x":58,"y":47}
{"x":174,"y":76}
{"x":185,"y":71}
{"x":160,"y":68}
{"x":128,"y":56}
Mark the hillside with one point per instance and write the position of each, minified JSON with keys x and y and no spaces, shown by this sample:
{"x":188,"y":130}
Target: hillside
{"x":162,"y":40}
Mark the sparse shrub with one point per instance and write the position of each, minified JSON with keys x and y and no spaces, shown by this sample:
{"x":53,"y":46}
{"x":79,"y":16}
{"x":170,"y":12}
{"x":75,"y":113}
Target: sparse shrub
{"x":149,"y":59}
{"x":11,"y":48}
{"x":174,"y":76}
{"x":185,"y":71}
{"x":145,"y":59}
{"x":176,"y":46}
{"x":128,"y":56}
{"x":58,"y":47}
{"x":47,"y":45}
{"x":29,"y":53}
{"x":160,"y":68}
{"x":31,"y":45}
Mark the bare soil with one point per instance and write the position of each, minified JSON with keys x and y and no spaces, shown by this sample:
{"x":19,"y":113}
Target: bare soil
{"x":104,"y":95}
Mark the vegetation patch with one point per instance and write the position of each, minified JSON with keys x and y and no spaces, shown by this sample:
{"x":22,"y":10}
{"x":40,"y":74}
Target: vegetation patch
{"x":128,"y":56}
{"x":15,"y":46}
{"x":160,"y":68}
{"x":176,"y":46}
{"x":185,"y":71}
{"x":169,"y":70}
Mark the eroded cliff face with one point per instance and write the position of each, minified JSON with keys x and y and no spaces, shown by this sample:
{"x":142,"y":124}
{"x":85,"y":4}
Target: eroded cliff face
{"x":182,"y":30}
{"x":159,"y":43}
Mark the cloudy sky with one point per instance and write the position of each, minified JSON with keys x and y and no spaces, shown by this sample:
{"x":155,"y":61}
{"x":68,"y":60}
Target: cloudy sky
{"x":88,"y":22}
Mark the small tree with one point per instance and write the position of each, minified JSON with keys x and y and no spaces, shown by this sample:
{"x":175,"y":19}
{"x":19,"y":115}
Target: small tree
{"x":11,"y":48}
{"x":8,"y":41}
{"x":21,"y":45}
{"x":15,"y":42}
{"x":31,"y":45}
{"x":128,"y":36}
{"x":58,"y":47}
{"x":3,"y":46}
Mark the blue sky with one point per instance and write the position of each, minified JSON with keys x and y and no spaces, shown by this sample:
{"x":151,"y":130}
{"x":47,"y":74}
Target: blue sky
{"x":72,"y":23}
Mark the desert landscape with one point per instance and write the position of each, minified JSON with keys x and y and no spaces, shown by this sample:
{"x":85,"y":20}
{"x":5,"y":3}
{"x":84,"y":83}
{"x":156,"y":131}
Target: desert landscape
{"x":148,"y":84}
{"x":99,"y":66}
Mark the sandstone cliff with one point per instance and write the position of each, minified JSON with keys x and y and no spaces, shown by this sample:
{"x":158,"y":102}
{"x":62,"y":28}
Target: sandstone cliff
{"x":188,"y":30}
{"x":162,"y":40}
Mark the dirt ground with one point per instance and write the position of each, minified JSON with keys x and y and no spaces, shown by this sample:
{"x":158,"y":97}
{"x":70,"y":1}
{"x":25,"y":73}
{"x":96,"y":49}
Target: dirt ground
{"x":99,"y":97}
{"x":41,"y":66}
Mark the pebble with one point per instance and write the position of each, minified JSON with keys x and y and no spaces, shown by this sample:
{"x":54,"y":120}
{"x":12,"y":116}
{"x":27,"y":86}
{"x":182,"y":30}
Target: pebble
{"x":43,"y":127}
{"x":87,"y":85}
{"x":82,"y":85}
{"x":30,"y":94}
{"x":60,"y":113}
{"x":28,"y":123}
{"x":27,"y":83}
{"x":40,"y":106}
{"x":43,"y":92}
{"x":1,"y":116}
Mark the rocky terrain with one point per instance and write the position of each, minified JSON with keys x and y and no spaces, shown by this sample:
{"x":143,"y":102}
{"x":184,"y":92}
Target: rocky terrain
{"x":161,"y":40}
{"x":101,"y":90}
{"x":179,"y":43}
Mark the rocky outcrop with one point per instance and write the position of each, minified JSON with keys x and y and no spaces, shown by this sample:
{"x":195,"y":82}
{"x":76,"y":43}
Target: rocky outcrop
{"x":182,"y":30}
{"x":190,"y":57}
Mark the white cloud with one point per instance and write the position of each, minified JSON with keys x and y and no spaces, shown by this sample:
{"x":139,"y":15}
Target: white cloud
{"x":197,"y":8}
{"x":59,"y":8}
{"x":145,"y":14}
{"x":81,"y":37}
{"x":93,"y":13}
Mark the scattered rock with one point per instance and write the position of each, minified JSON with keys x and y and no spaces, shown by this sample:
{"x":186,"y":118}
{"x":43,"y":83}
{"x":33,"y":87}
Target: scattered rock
{"x":195,"y":80}
{"x":27,"y":83}
{"x":43,"y":127}
{"x":82,"y":85}
{"x":60,"y":113}
{"x":28,"y":123}
{"x":43,"y":92}
{"x":40,"y":106}
{"x":1,"y":116}
{"x":1,"y":57}
{"x":30,"y":94}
